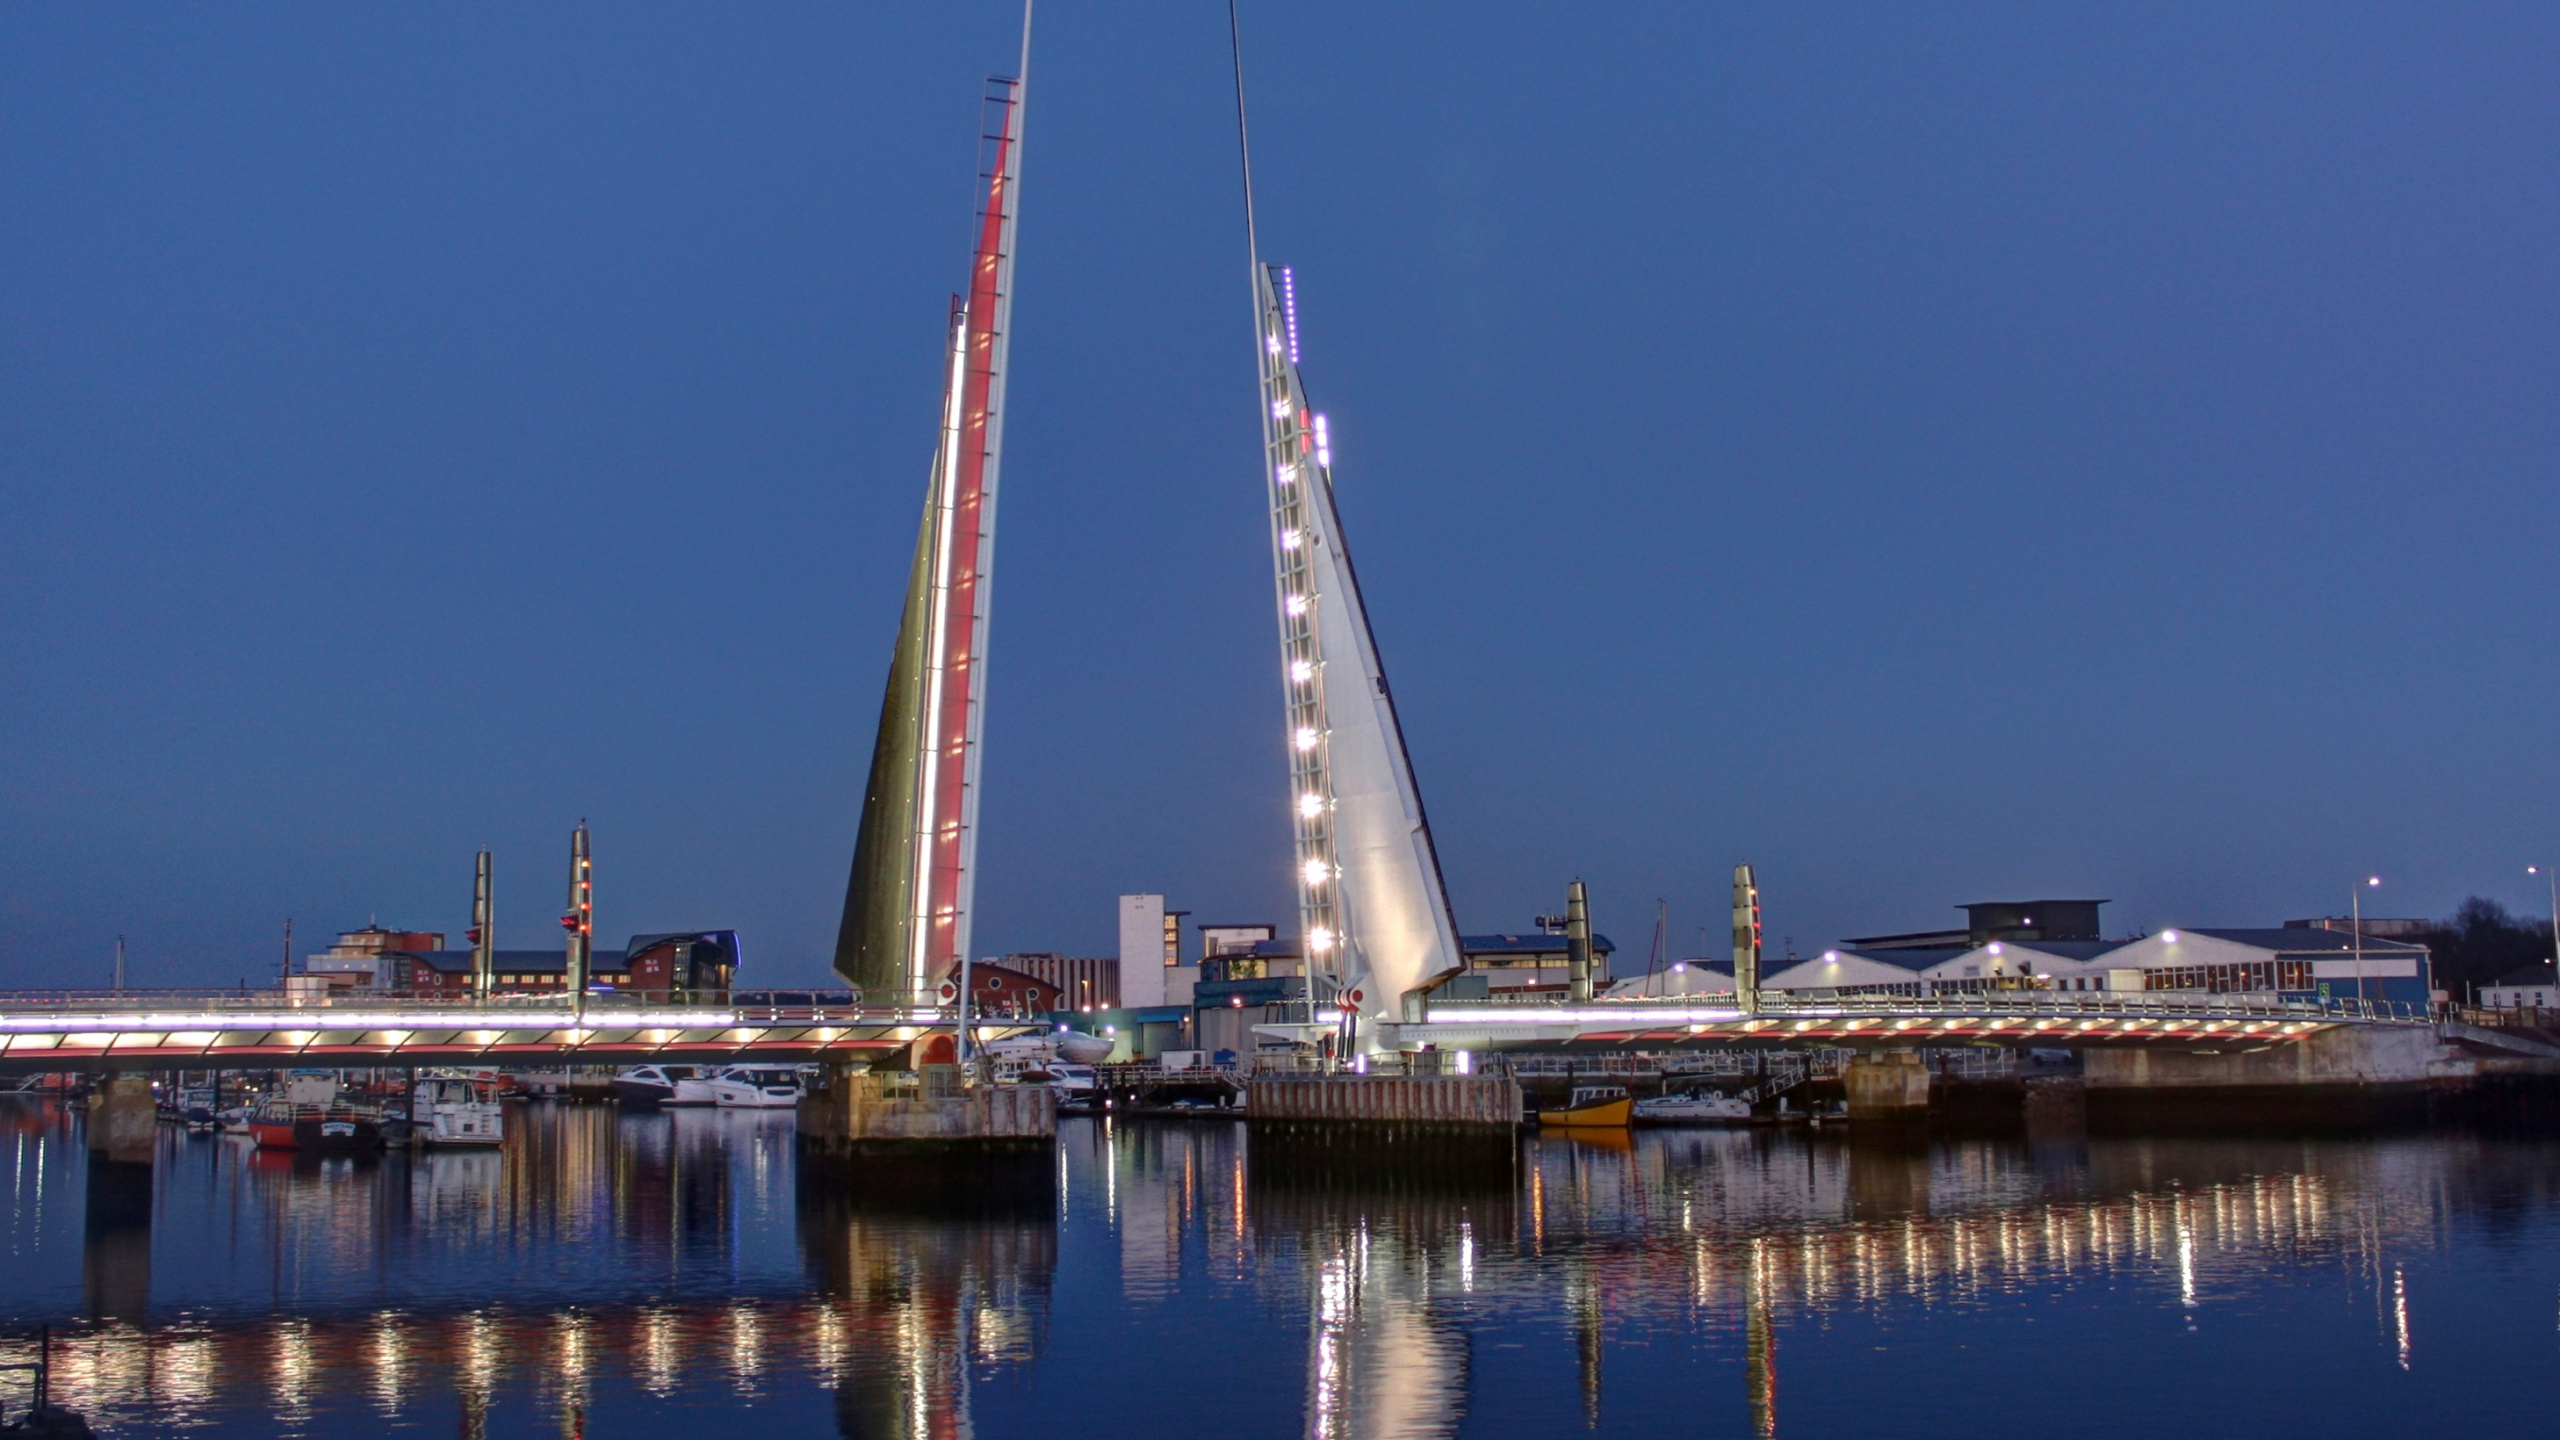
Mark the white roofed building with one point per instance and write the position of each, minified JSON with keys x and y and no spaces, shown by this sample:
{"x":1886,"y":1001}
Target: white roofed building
{"x":1857,"y":972}
{"x":2077,"y":966}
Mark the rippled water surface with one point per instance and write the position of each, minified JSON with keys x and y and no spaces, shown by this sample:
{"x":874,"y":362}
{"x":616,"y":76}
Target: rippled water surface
{"x":637,"y":1274}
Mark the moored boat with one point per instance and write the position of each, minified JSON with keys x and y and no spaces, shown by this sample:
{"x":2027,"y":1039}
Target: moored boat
{"x":665,"y":1085}
{"x":312,"y":1114}
{"x":1593,"y":1107}
{"x":755,"y":1087}
{"x":458,"y":1109}
{"x":280,"y":1124}
{"x":1694,"y":1106}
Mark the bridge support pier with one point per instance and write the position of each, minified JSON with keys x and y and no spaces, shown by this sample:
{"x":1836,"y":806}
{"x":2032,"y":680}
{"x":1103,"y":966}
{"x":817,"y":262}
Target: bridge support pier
{"x":1888,"y":1085}
{"x":124,"y":1122}
{"x":860,"y":1113}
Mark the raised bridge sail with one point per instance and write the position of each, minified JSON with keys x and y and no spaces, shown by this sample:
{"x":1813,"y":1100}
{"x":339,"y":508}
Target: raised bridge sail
{"x":908,"y":905}
{"x":1371,"y":906}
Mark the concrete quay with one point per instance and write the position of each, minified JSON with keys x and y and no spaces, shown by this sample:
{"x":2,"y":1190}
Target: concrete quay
{"x":2346,"y":1074}
{"x":1468,"y":1102}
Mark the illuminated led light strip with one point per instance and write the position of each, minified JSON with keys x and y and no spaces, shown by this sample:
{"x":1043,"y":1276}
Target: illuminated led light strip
{"x":1289,"y":308}
{"x":356,"y":1021}
{"x":1293,"y":443}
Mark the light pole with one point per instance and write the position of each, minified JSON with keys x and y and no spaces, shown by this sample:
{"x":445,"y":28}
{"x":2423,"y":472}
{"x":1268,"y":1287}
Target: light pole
{"x":2355,"y":926}
{"x":2552,"y":878}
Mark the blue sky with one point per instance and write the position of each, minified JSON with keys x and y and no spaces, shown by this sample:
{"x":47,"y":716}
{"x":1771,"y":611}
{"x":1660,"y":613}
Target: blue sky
{"x":1935,"y":455}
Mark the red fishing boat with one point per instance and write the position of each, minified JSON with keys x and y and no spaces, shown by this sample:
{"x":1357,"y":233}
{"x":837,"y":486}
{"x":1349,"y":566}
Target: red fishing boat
{"x":312,"y":1115}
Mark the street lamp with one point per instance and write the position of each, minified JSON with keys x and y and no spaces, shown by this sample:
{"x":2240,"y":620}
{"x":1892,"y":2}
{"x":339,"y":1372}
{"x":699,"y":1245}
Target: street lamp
{"x":2355,"y":924}
{"x":2552,"y":878}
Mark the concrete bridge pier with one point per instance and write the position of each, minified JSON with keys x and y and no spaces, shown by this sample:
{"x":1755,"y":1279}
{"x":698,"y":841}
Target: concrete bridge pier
{"x":124,"y":1121}
{"x":934,"y":1110}
{"x":1891,"y":1086}
{"x":115,"y":1257}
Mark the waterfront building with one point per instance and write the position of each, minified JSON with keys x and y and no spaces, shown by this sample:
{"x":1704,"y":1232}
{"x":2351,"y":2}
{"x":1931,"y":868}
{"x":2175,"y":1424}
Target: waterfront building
{"x":1534,"y":962}
{"x":2292,"y":960}
{"x":1681,"y":977}
{"x":518,"y":972}
{"x":365,"y":959}
{"x":692,"y":964}
{"x":996,"y":989}
{"x":1989,"y":920}
{"x":1892,"y":970}
{"x":2533,"y":987}
{"x":2073,"y":965}
{"x":1083,"y":982}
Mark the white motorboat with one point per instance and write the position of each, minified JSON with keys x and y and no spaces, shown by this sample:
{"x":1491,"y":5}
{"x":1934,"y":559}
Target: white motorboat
{"x":1040,"y":1047}
{"x":663,"y":1085}
{"x":1694,"y":1107}
{"x":451,"y":1109}
{"x":755,"y":1087}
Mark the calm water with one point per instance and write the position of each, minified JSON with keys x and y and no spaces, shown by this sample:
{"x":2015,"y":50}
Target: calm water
{"x":614,"y":1274}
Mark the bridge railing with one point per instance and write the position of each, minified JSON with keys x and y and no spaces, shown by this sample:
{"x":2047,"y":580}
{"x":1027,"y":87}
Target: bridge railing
{"x":1819,"y":1005}
{"x":500,"y":1011}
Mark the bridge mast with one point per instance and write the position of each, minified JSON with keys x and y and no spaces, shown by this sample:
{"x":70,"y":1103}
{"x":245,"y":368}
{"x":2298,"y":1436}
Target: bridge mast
{"x":1372,"y":909}
{"x":910,"y":900}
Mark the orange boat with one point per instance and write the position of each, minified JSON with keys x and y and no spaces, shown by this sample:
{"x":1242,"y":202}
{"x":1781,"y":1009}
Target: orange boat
{"x":1593,"y":1107}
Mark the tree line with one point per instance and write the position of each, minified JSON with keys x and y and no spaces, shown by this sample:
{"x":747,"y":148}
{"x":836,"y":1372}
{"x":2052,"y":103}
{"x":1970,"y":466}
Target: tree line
{"x":2481,"y":942}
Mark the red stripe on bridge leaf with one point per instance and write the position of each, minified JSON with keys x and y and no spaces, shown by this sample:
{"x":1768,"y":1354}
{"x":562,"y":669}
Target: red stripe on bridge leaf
{"x":960,"y":686}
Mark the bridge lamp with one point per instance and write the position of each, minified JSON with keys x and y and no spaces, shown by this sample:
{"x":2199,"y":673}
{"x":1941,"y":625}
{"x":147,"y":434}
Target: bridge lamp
{"x":2355,"y":926}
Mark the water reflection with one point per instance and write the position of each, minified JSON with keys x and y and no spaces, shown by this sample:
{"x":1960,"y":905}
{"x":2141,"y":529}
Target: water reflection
{"x":1385,"y":1237}
{"x":929,"y":1272}
{"x":604,"y":1267}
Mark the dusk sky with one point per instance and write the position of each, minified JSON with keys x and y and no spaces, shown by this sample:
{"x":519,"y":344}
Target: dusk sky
{"x":1934,"y":453}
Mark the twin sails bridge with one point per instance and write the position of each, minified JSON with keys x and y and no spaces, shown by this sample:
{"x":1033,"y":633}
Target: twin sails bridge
{"x":1373,"y":908}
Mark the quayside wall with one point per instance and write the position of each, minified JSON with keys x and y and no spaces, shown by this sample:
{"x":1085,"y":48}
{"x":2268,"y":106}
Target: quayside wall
{"x":1457,"y":1101}
{"x":2345,"y":1056}
{"x":2348,"y":1074}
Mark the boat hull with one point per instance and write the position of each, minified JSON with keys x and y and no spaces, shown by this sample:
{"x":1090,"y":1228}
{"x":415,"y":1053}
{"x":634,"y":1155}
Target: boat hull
{"x":318,"y":1134}
{"x":1615,"y":1114}
{"x":643,"y":1092}
{"x":1693,"y":1112}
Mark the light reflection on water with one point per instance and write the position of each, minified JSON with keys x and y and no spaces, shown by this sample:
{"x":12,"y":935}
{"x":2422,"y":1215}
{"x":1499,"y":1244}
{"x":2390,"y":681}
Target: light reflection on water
{"x":612,"y":1272}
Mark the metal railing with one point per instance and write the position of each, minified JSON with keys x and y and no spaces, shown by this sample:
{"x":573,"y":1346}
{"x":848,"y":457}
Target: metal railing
{"x":749,"y":1006}
{"x":1819,"y":1005}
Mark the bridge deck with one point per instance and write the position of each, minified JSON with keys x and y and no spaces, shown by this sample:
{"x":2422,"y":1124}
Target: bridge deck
{"x":2054,"y":1019}
{"x":233,"y":1030}
{"x":262,"y":1030}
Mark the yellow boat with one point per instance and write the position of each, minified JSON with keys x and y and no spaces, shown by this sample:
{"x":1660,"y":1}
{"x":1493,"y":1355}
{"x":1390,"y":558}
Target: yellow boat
{"x":1593,"y":1107}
